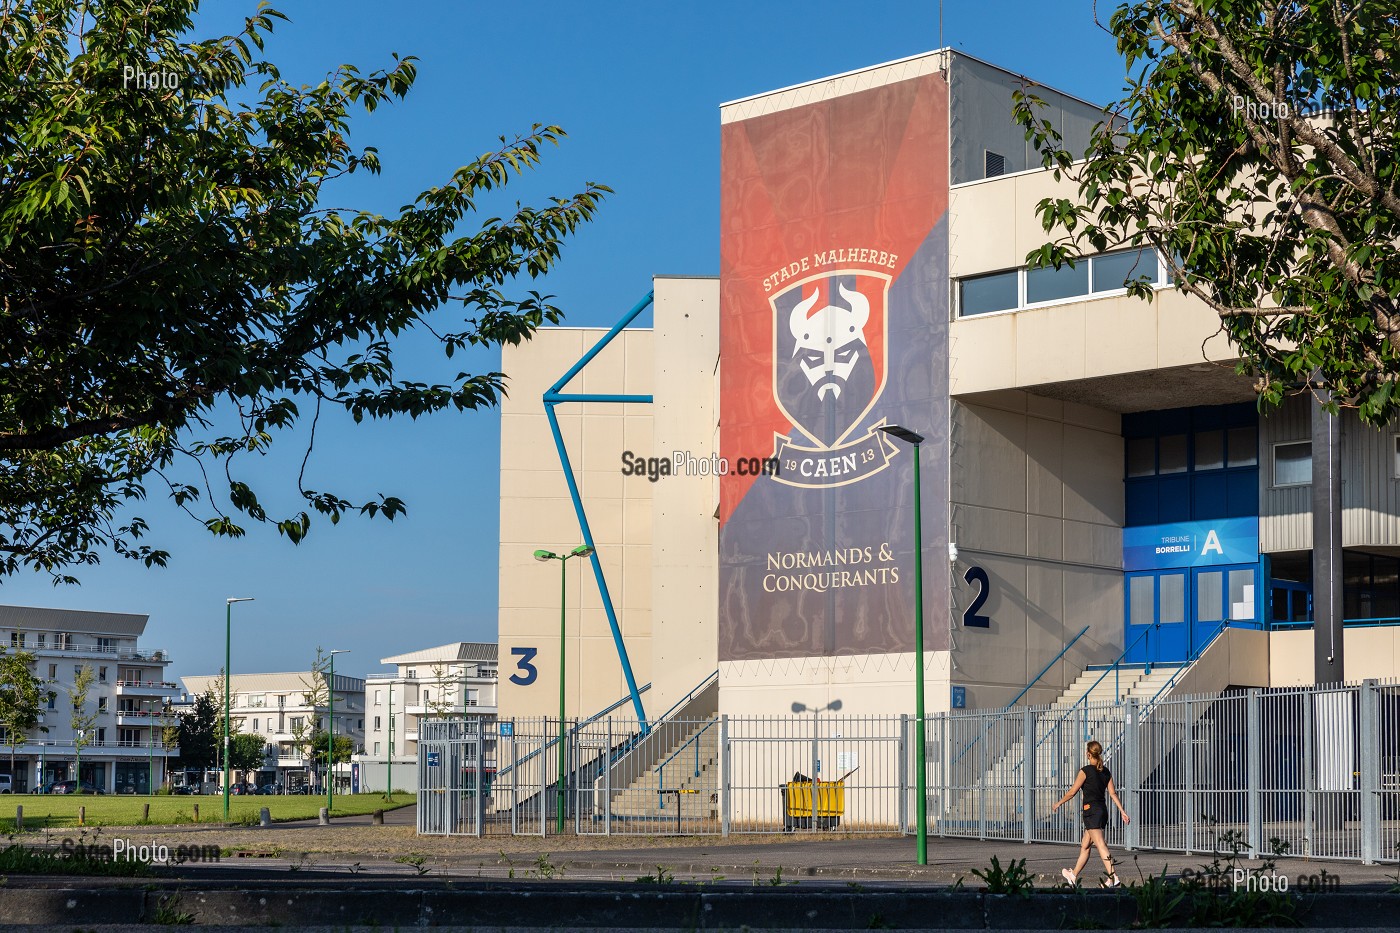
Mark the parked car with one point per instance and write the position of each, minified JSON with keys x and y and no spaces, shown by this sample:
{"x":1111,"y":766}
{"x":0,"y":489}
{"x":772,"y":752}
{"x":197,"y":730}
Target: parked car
{"x":272,"y":787}
{"x":6,"y":784}
{"x":45,"y":788}
{"x":75,"y":787}
{"x":242,"y":789}
{"x":184,"y":790}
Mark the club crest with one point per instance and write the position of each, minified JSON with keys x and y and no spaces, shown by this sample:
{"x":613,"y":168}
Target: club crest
{"x":829,"y":365}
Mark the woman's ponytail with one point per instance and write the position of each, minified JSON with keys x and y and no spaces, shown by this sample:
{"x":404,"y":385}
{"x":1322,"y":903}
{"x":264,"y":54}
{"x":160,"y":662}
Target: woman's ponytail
{"x":1095,"y":751}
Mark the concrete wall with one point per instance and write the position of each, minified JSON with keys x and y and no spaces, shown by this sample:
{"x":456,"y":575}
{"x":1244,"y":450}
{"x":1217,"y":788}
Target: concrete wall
{"x":536,"y":513}
{"x":1367,"y":652}
{"x":685,"y":531}
{"x":1037,"y":498}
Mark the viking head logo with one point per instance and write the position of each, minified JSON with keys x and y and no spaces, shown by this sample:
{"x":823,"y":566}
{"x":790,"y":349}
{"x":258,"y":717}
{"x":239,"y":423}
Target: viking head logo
{"x":825,"y":373}
{"x":830,"y":342}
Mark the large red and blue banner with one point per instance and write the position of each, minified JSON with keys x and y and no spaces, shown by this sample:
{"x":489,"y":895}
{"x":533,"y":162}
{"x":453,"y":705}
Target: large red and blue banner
{"x":834,"y":323}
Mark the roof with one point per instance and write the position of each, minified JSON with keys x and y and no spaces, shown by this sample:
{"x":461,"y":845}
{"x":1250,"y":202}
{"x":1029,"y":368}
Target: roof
{"x":289,"y":682}
{"x":452,"y":651}
{"x":33,"y":618}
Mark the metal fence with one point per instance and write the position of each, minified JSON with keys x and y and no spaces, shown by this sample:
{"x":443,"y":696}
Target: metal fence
{"x":1317,"y":769}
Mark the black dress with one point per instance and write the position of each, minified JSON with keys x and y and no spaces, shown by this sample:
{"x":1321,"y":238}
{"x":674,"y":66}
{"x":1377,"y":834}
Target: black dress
{"x":1095,"y":807}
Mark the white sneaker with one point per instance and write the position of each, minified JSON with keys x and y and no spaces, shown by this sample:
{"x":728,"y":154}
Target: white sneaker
{"x":1069,"y":877}
{"x":1112,"y":881}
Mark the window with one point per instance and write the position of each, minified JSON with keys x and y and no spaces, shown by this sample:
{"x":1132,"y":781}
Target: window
{"x":1140,"y":610}
{"x":102,"y":675}
{"x":17,"y":639}
{"x":1171,"y":453}
{"x":255,"y":725}
{"x":43,"y":639}
{"x":984,"y":294}
{"x":1113,"y":271}
{"x":1210,"y":596}
{"x":361,"y":725}
{"x":993,"y":165}
{"x":1395,"y":464}
{"x":102,"y":704}
{"x":1142,"y":456}
{"x":378,"y":724}
{"x":379,"y":698}
{"x":1172,"y":604}
{"x":298,"y":722}
{"x":376,"y":751}
{"x":1244,"y":447}
{"x":412,"y":672}
{"x":77,"y":669}
{"x":1242,"y":595}
{"x":1051,"y":284}
{"x":53,"y":672}
{"x":101,"y":736}
{"x":53,"y":697}
{"x":1210,"y":450}
{"x":105,"y":645}
{"x":1293,"y":464}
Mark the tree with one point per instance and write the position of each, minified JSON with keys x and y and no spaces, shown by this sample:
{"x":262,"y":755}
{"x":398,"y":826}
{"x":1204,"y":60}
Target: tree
{"x":1255,"y":148}
{"x":176,"y":292}
{"x":82,"y":721}
{"x":22,"y":698}
{"x":315,"y":695}
{"x":169,"y":736}
{"x":199,"y":731}
{"x":445,"y":702}
{"x":247,"y":752}
{"x":344,"y":748}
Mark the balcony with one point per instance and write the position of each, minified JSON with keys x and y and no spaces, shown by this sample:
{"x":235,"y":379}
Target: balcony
{"x":146,"y":688}
{"x":142,"y":717}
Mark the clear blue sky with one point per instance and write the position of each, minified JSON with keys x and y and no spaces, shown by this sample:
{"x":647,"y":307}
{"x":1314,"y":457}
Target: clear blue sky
{"x":637,"y":86}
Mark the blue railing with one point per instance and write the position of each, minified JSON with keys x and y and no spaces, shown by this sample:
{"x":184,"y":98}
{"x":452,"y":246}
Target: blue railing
{"x":550,"y":743}
{"x":1190,"y":659}
{"x":1024,"y":690}
{"x":661,"y":771}
{"x":1346,"y":623}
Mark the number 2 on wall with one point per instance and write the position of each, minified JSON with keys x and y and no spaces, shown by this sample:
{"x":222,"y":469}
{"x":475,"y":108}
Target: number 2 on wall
{"x":971,"y":617}
{"x":528,"y":671}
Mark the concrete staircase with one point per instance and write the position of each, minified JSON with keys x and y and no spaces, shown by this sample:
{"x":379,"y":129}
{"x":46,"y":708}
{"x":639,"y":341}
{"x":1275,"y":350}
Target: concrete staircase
{"x":1089,"y":706}
{"x":689,"y":766}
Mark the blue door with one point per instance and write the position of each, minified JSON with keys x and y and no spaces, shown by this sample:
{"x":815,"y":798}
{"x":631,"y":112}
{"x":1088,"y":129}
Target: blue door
{"x":1157,"y":629}
{"x":1173,"y":615}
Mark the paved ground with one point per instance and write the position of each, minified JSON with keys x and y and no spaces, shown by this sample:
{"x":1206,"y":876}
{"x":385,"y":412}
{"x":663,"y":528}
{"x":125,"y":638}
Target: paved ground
{"x":354,"y":845}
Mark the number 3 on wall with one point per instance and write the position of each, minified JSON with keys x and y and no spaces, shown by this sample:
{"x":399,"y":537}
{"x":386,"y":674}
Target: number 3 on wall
{"x":528,"y":672}
{"x":971,"y":617}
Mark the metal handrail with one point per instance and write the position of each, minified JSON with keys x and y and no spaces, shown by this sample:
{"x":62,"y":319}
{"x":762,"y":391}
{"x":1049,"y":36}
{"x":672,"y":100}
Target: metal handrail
{"x":1023,"y":692}
{"x":661,"y":769}
{"x":688,"y":697}
{"x":1147,"y":669}
{"x":1190,"y":659}
{"x":1352,"y":623}
{"x":550,"y":743}
{"x":1027,"y":687}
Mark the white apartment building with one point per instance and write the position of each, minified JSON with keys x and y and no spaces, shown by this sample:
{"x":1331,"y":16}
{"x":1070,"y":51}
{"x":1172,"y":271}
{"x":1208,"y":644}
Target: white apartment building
{"x":285,"y":709}
{"x":123,"y":751}
{"x":456,"y":681}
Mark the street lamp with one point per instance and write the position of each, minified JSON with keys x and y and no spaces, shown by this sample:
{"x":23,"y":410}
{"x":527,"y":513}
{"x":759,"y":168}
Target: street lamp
{"x":228,"y":677}
{"x":583,"y":550}
{"x":921,"y":763}
{"x":330,"y":732}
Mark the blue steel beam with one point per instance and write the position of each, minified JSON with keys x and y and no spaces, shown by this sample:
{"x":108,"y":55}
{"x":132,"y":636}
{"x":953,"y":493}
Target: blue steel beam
{"x":555,"y":397}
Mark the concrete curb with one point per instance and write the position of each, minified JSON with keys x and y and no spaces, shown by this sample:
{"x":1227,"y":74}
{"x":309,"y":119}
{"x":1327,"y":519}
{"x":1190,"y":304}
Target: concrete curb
{"x":573,"y":906}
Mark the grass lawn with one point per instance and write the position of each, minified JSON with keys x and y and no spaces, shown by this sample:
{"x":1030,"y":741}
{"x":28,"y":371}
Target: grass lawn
{"x":57,"y":810}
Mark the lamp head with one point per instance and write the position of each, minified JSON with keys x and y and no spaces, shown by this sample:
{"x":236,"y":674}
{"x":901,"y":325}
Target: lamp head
{"x":239,"y":599}
{"x":339,"y":651}
{"x":583,"y":550}
{"x":904,"y":434}
{"x":546,"y":555}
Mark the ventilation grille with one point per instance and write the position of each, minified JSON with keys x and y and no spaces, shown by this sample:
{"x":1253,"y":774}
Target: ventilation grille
{"x":994,"y":164}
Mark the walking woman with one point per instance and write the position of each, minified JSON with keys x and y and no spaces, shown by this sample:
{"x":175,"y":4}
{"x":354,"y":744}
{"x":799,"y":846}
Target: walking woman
{"x":1096,"y":781}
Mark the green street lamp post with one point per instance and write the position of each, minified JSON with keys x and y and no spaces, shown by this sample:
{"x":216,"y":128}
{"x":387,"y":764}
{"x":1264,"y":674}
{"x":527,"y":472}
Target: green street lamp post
{"x":390,"y":791}
{"x":583,"y":550}
{"x":228,"y":677}
{"x":330,"y":733}
{"x":921,"y":761}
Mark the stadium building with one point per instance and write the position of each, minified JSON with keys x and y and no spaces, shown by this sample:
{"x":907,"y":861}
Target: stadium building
{"x":1098,"y":487}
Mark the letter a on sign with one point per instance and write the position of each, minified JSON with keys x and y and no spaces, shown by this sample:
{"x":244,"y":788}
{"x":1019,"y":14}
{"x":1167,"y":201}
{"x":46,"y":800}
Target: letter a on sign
{"x":1212,"y":544}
